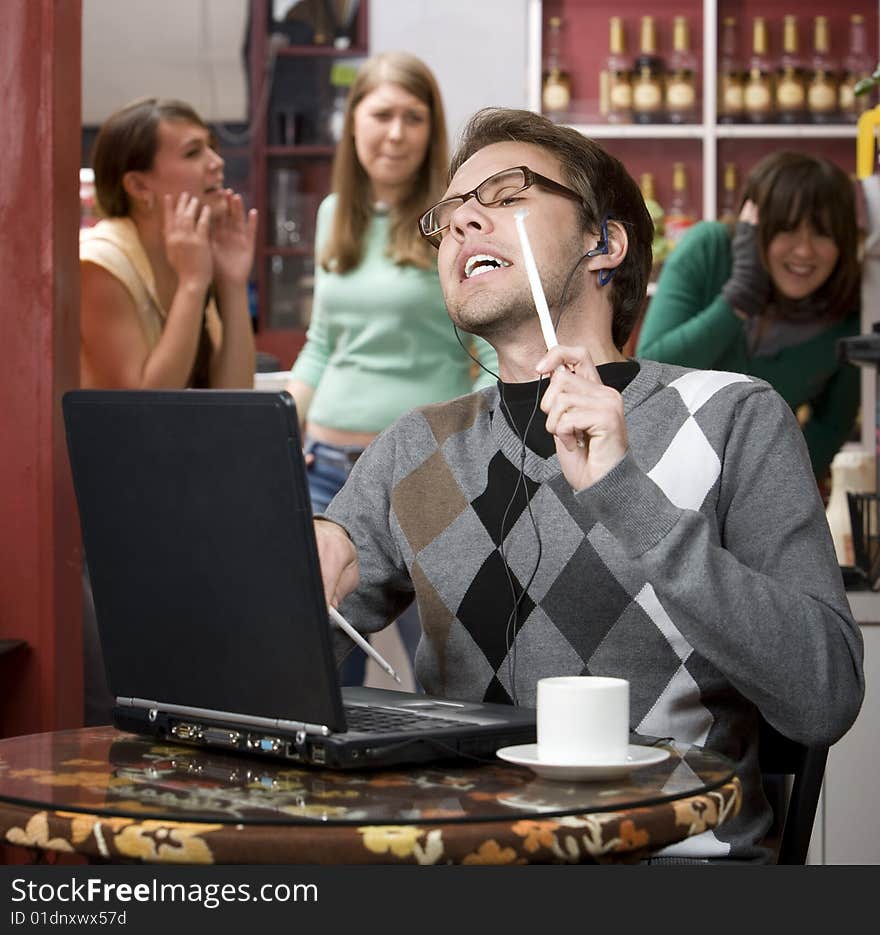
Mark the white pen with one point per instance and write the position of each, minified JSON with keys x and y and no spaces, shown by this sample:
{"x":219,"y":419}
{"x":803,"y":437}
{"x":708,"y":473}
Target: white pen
{"x":345,"y":626}
{"x":547,"y":329}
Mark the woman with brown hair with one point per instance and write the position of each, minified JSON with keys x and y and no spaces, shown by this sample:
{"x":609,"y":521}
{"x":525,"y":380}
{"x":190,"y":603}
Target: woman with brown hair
{"x":380,"y":341}
{"x":163,"y":281}
{"x":772,"y":297}
{"x":164,"y":275}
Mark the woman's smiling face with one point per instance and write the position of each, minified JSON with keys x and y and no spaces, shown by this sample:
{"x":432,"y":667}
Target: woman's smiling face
{"x":801,"y":260}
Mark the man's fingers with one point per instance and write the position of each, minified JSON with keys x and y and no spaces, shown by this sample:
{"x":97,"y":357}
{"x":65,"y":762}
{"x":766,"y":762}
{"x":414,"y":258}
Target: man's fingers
{"x":574,"y":359}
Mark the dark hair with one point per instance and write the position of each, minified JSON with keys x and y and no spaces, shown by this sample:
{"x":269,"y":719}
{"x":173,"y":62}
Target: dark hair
{"x":127,"y":142}
{"x":344,"y":247}
{"x":606,"y":188}
{"x":791,"y":187}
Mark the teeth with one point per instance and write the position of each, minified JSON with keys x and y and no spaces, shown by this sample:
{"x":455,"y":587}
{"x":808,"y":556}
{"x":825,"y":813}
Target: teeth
{"x":484,"y":263}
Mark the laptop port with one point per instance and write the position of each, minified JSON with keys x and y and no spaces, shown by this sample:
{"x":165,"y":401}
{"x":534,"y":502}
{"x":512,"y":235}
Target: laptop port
{"x":319,"y":754}
{"x":185,"y":731}
{"x":266,"y":744}
{"x":228,"y":738}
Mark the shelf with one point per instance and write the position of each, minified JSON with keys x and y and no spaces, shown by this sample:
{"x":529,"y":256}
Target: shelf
{"x":640,"y":131}
{"x":765,"y":131}
{"x":288,"y":251}
{"x":698,"y":131}
{"x":321,"y":51}
{"x":310,"y":150}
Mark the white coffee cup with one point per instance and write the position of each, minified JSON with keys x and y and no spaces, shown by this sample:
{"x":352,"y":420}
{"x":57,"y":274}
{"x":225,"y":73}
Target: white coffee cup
{"x":583,"y":719}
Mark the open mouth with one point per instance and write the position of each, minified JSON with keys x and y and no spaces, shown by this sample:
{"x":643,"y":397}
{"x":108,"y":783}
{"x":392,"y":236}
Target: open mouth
{"x":481,"y":263}
{"x":802,"y":271}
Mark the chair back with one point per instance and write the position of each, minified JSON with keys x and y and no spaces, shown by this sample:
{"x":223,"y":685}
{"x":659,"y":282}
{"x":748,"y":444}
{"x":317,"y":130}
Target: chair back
{"x":780,"y":757}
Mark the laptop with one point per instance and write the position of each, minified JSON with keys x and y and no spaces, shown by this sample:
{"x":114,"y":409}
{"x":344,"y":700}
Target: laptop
{"x":198,"y":536}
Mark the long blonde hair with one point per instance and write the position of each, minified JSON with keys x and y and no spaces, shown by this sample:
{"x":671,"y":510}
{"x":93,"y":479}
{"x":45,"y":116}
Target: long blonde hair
{"x":344,"y":247}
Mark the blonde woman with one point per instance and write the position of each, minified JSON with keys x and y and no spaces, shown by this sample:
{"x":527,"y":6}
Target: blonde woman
{"x":380,"y":341}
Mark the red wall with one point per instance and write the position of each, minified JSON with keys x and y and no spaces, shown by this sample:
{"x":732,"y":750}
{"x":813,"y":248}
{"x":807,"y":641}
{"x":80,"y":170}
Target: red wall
{"x":40,"y":590}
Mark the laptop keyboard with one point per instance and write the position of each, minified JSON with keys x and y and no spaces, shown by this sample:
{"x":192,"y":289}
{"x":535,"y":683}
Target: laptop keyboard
{"x":383,"y":720}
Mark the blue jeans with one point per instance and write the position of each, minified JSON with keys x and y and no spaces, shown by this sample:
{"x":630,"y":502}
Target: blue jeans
{"x":327,"y":473}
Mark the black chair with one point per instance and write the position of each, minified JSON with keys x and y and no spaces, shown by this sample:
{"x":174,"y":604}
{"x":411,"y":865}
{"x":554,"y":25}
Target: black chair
{"x":794,"y":810}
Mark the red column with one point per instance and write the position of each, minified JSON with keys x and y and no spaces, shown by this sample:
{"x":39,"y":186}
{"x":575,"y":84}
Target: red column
{"x":40,"y":590}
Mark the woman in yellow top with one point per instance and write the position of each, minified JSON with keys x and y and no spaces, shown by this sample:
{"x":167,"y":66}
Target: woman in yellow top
{"x":164,"y":275}
{"x":163,"y":281}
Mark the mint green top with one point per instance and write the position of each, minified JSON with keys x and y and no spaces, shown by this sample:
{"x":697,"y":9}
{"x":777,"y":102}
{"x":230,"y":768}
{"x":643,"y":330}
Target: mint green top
{"x":380,"y":341}
{"x":689,"y":322}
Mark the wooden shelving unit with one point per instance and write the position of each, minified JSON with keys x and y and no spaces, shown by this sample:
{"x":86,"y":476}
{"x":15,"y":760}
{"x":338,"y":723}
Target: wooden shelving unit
{"x":283,"y":274}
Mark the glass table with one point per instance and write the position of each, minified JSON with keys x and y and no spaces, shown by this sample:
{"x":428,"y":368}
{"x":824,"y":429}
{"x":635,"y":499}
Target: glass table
{"x":116,"y":797}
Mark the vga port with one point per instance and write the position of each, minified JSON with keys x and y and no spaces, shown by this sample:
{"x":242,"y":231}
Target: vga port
{"x":266,"y":744}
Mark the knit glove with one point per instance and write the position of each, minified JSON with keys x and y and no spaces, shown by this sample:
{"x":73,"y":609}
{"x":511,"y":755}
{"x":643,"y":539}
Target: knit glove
{"x":748,"y":289}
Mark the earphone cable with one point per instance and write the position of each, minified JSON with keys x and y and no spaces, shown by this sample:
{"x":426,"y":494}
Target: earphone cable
{"x":510,"y":644}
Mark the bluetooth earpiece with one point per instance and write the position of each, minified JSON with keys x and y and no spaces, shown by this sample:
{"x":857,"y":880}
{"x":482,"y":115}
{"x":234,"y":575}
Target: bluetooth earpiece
{"x":600,"y":249}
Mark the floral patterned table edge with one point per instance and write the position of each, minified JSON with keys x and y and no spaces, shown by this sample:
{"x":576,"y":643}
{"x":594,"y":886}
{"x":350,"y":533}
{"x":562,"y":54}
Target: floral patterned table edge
{"x":604,"y":837}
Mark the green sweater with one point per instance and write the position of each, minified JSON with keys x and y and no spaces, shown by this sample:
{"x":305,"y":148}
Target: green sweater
{"x":380,"y":339}
{"x":689,"y":322}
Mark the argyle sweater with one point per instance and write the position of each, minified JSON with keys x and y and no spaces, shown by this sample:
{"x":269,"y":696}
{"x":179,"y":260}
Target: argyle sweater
{"x":700,"y":568}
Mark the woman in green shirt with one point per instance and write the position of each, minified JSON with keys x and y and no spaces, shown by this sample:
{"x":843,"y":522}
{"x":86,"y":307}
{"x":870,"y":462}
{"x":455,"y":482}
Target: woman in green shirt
{"x":772,"y":297}
{"x":380,"y":341}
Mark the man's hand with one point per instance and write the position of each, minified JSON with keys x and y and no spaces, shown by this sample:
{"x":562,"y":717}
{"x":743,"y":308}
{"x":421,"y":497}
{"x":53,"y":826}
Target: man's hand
{"x":584,"y":415}
{"x":338,"y":558}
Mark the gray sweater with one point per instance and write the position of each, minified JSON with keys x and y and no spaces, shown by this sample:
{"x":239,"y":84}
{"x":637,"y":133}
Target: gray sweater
{"x":700,"y":568}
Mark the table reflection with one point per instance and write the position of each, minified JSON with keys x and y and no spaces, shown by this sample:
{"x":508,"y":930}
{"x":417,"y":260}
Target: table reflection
{"x":101,"y":771}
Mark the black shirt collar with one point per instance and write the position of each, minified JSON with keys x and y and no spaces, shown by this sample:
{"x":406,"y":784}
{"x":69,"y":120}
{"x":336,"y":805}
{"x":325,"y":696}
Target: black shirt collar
{"x":520,"y":403}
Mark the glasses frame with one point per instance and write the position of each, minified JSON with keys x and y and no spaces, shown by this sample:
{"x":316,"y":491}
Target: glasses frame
{"x":434,"y":237}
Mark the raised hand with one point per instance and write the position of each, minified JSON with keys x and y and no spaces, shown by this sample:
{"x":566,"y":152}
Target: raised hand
{"x":748,"y":289}
{"x":185,"y":228}
{"x":584,"y":415}
{"x":233,"y":236}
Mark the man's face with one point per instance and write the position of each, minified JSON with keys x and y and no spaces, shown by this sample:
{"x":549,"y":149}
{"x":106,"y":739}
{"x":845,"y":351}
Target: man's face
{"x":482,"y":295}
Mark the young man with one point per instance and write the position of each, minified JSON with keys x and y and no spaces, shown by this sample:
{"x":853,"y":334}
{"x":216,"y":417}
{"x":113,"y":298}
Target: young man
{"x":653,"y":523}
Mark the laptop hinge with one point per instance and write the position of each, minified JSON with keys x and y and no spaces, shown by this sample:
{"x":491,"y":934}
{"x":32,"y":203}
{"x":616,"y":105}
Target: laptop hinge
{"x":154,"y":707}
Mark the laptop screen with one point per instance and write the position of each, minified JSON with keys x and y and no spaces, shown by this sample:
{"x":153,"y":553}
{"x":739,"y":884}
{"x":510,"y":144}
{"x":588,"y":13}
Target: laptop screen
{"x":197,"y":530}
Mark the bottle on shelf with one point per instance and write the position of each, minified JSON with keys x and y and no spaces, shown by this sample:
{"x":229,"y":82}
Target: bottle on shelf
{"x":659,"y":245}
{"x":556,"y":84}
{"x":287,"y":209}
{"x":729,"y":207}
{"x":681,"y":80}
{"x":822,"y":84}
{"x":616,"y":78}
{"x":648,"y":77}
{"x":758,"y":91}
{"x":856,"y":66}
{"x":680,"y":215}
{"x":731,"y":79}
{"x":791,"y":95}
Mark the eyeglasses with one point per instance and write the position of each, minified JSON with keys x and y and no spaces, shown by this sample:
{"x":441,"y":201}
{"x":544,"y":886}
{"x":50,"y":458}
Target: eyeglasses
{"x":494,"y":191}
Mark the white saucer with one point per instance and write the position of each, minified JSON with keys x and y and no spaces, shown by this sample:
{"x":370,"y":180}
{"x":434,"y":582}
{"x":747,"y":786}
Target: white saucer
{"x":527,"y":755}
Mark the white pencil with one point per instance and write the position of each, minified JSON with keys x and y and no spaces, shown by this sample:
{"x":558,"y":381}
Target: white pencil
{"x":535,"y":280}
{"x":547,"y":329}
{"x":345,"y":626}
